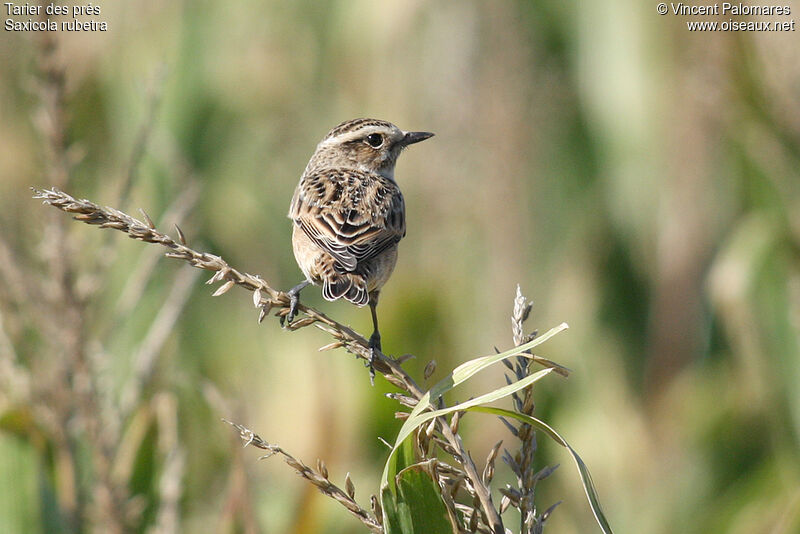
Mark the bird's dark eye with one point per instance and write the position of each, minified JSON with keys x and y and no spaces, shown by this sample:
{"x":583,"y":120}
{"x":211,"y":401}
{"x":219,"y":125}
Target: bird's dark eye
{"x":375,"y":140}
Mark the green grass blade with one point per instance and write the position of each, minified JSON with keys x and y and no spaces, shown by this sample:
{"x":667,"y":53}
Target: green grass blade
{"x":586,"y":477}
{"x":416,"y":507}
{"x":497,"y":394}
{"x":466,"y":370}
{"x":459,"y":375}
{"x":413,"y":422}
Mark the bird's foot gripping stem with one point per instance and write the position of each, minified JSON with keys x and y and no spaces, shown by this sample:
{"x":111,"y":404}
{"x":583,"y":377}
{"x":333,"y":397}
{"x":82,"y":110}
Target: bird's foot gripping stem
{"x":294,"y":300}
{"x":374,"y":345}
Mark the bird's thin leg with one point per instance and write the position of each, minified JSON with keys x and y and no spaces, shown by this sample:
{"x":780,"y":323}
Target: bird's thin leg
{"x":374,"y":339}
{"x":294,"y":300}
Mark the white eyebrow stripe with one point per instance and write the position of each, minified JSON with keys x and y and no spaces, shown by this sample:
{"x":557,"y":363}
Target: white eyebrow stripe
{"x":355,"y":134}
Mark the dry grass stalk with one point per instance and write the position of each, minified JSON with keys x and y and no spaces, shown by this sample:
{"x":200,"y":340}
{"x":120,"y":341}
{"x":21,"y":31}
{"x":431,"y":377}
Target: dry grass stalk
{"x":318,"y":477}
{"x":522,"y":463}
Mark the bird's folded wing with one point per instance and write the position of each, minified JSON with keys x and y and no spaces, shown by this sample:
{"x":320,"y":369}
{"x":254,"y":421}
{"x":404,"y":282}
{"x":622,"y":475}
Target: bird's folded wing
{"x":354,"y":216}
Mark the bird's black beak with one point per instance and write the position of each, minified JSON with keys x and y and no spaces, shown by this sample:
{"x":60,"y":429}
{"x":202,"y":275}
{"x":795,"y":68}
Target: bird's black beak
{"x":415,"y":137}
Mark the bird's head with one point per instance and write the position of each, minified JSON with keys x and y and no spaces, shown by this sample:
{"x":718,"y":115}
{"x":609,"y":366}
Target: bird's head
{"x":366,"y":144}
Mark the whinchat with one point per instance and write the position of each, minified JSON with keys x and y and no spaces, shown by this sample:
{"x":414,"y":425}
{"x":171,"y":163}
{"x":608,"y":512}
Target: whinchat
{"x":349,"y":214}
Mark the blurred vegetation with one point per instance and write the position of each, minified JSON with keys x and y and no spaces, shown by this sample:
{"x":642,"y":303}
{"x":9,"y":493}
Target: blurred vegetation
{"x":639,"y":181}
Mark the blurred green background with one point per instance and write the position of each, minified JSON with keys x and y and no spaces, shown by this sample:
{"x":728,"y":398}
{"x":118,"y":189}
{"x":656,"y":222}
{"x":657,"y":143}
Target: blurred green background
{"x":639,"y":181}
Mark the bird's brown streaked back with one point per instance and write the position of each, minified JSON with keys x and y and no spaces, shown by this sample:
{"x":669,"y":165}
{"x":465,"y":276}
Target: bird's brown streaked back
{"x":350,"y":214}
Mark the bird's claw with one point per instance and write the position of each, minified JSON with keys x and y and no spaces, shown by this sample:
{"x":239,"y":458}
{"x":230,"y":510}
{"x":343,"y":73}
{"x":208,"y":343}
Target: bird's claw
{"x":294,"y":300}
{"x":374,"y":345}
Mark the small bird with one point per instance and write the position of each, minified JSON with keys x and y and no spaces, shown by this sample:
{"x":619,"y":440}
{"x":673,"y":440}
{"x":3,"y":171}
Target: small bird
{"x":349,"y":215}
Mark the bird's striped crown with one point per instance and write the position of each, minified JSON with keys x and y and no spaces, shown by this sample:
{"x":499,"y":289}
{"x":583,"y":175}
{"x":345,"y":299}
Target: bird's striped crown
{"x":354,"y":125}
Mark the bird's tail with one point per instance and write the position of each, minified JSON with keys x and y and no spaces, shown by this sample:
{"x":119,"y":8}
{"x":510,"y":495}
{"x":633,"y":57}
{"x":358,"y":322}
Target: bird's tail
{"x":351,"y":286}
